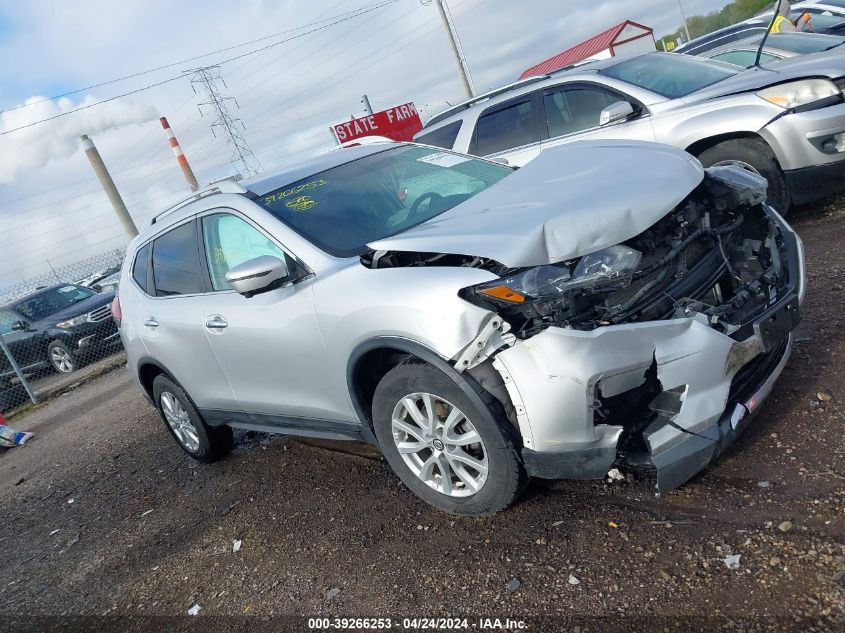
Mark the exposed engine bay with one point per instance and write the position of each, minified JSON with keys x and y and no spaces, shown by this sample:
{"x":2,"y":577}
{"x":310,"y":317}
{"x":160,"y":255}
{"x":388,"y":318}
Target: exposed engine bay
{"x":718,"y":254}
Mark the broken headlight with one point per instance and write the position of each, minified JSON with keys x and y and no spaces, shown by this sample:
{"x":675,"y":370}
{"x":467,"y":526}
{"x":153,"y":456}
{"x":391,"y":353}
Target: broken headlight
{"x":605,"y":269}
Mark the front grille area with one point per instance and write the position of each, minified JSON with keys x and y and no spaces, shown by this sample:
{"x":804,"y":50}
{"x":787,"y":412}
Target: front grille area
{"x":100,"y":314}
{"x":692,"y":257}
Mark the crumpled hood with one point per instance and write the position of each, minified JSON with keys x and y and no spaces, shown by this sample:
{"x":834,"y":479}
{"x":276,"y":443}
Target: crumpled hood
{"x":570,"y":201}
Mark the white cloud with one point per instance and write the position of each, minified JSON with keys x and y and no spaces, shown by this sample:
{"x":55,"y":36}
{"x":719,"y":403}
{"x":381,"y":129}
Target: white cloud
{"x":35,"y":146}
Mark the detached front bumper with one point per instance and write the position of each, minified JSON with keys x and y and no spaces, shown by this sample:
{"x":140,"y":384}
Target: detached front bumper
{"x":710,"y":386}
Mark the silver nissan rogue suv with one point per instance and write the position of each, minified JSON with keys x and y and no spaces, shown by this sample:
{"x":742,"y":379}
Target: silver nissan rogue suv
{"x":612,"y":303}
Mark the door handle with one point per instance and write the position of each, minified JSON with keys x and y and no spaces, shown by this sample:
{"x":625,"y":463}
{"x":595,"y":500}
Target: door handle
{"x":151,"y":322}
{"x":216,"y":322}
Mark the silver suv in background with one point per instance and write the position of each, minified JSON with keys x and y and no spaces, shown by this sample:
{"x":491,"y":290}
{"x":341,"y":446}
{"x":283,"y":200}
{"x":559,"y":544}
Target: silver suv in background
{"x":479,"y":324}
{"x":777,"y":46}
{"x":785,"y":122}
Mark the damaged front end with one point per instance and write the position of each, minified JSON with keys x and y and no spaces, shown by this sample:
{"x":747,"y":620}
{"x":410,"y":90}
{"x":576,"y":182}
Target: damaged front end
{"x":659,"y":357}
{"x":652,"y":353}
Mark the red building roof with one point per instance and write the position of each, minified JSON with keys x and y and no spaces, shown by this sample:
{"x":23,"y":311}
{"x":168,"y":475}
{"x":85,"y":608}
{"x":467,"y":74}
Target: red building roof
{"x":586,"y":49}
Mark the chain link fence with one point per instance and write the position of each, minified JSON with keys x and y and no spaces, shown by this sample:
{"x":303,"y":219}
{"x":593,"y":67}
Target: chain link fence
{"x":57,"y":328}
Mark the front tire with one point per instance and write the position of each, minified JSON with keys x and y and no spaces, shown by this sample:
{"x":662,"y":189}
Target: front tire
{"x":202,"y":442}
{"x":452,"y":453}
{"x":756,"y":156}
{"x":62,"y":358}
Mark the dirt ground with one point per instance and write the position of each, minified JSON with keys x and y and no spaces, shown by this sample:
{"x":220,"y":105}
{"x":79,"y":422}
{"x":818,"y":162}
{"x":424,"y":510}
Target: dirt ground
{"x":106,"y":524}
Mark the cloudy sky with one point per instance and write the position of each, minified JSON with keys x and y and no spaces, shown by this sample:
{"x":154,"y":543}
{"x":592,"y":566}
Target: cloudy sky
{"x":51,"y":207}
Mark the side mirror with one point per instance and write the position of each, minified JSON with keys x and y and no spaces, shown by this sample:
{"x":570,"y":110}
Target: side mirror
{"x":259,"y":274}
{"x":19,"y":326}
{"x":616,"y":112}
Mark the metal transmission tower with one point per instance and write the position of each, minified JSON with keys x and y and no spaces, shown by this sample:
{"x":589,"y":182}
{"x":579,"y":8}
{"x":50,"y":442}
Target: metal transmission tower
{"x":209,"y":79}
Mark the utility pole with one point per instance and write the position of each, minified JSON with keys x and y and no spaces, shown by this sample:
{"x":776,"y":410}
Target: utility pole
{"x":456,"y":49}
{"x":108,"y":184}
{"x":242,"y":155}
{"x":684,"y":17}
{"x":180,"y":156}
{"x":367,"y":107}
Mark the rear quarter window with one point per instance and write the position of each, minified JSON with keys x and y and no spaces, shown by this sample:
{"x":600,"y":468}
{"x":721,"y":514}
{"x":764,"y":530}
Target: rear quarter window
{"x":141,"y":267}
{"x":444,"y":137}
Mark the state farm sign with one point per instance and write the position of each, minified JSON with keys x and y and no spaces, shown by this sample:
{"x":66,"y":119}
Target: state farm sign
{"x":399,"y":123}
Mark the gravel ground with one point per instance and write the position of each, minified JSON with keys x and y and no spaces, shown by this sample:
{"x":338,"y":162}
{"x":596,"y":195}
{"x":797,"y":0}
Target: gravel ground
{"x":104,"y":516}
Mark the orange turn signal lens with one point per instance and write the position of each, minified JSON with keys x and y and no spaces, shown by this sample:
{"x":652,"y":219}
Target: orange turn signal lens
{"x":503,"y":293}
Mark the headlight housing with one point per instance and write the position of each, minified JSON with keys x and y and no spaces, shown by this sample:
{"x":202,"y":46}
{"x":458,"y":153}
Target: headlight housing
{"x":72,"y":322}
{"x":796,"y":94}
{"x":605,"y":269}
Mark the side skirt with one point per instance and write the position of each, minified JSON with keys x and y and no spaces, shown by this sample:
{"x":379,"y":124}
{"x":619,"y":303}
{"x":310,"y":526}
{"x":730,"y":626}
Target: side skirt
{"x":285,"y":425}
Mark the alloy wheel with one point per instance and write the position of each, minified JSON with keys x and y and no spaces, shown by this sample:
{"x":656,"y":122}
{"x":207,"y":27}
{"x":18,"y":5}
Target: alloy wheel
{"x":179,"y":421}
{"x":737,"y":163}
{"x":439,"y":444}
{"x":61,"y":360}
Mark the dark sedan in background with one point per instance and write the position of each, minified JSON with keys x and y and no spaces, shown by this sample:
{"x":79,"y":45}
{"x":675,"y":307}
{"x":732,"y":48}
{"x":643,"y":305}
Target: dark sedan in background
{"x":54,"y":327}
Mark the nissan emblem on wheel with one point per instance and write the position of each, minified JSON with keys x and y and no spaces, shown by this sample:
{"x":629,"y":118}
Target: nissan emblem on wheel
{"x":479,"y":324}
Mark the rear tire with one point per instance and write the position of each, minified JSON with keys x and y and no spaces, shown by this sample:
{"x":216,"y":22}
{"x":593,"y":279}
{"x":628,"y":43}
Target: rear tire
{"x":202,"y":442}
{"x":758,"y":156}
{"x":458,"y":457}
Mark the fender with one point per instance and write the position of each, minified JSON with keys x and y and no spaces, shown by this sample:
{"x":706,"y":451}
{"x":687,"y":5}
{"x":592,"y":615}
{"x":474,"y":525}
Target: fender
{"x":464,"y":382}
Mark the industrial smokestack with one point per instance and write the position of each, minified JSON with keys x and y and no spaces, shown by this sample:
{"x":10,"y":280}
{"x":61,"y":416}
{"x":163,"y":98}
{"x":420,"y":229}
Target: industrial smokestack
{"x":108,"y":184}
{"x":180,"y":156}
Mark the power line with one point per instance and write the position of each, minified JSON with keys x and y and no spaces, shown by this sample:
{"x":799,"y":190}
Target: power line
{"x":231,"y":59}
{"x":190,"y":59}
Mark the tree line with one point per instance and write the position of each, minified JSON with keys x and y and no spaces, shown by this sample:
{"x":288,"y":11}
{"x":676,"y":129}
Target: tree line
{"x":699,"y":25}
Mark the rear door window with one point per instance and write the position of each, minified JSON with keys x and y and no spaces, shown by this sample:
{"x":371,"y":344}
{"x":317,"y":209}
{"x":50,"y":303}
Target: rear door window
{"x":176,"y":262}
{"x":506,"y":127}
{"x":141,"y":266}
{"x":444,"y":137}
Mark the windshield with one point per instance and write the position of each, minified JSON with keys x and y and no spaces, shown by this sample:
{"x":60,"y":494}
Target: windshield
{"x":801,"y":43}
{"x":51,"y":301}
{"x":671,"y":76}
{"x":343,"y":209}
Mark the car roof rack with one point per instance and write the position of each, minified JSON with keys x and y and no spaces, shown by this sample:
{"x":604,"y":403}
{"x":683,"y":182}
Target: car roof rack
{"x":437,"y":118}
{"x":224,"y":185}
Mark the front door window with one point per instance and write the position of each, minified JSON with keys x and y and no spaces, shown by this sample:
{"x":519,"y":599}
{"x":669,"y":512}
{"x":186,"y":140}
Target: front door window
{"x":230,"y":241}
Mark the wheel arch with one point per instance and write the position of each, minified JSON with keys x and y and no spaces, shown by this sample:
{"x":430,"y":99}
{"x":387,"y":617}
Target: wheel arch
{"x":702,"y":145}
{"x":372,"y":359}
{"x":148,"y":369}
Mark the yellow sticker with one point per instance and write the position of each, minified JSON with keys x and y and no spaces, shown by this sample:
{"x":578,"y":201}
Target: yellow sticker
{"x":301,"y":203}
